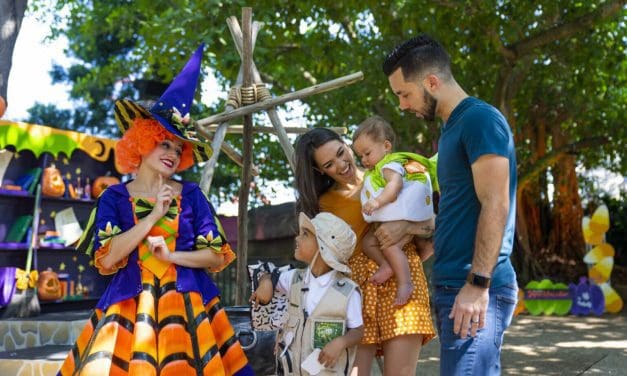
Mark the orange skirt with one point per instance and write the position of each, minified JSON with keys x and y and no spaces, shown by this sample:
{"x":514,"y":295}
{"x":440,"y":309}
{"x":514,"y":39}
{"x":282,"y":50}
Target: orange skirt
{"x":382,"y":319}
{"x":159,"y":332}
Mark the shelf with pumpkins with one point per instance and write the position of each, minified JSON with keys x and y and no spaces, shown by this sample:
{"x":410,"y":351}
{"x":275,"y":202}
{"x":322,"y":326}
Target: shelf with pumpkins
{"x":72,"y":169}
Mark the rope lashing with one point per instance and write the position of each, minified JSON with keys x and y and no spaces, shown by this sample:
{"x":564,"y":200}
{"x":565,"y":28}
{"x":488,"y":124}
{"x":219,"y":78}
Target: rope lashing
{"x":239,"y":96}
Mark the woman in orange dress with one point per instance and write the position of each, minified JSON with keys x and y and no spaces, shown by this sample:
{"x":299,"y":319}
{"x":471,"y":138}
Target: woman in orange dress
{"x":158,"y":237}
{"x":328,"y":179}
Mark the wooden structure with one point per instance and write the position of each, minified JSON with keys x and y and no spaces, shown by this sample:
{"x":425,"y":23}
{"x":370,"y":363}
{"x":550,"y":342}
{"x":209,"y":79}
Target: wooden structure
{"x":248,"y":96}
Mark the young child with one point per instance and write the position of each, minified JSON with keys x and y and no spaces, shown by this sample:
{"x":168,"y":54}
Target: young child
{"x":325,"y":324}
{"x":397,"y":186}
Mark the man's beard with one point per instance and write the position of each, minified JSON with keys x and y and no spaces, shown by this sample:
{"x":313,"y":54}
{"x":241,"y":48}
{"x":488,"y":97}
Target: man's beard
{"x":430,"y":105}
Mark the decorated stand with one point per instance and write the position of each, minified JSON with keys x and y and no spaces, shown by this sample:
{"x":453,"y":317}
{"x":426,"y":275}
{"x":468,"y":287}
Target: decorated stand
{"x":593,"y":294}
{"x":69,"y":168}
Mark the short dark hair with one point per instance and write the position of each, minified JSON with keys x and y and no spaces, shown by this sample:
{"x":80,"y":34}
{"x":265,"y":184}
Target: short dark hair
{"x":416,"y":56}
{"x":377,"y":128}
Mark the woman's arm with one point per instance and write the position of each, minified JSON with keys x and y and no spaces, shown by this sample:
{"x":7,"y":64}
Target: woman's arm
{"x":124,"y":243}
{"x":390,"y":233}
{"x":200,"y":258}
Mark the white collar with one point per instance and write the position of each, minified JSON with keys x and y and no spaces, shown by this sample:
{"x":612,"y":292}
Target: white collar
{"x":322,"y":280}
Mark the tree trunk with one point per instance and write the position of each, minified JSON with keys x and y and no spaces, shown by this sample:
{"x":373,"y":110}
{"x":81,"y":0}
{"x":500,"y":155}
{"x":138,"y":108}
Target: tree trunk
{"x":533,"y":211}
{"x":11,"y":15}
{"x":566,"y":245}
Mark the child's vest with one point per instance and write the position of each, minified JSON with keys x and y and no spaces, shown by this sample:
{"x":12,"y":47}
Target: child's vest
{"x":295,"y":340}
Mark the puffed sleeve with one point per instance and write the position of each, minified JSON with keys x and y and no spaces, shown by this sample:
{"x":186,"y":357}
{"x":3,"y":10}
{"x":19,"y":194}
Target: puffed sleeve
{"x":208,"y":230}
{"x":107,"y":226}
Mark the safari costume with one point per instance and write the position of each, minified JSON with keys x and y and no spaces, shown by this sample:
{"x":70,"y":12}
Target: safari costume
{"x":339,"y":300}
{"x":320,"y":308}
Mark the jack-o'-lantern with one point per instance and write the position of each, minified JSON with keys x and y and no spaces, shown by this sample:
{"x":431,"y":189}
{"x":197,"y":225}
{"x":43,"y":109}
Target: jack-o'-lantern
{"x":101,"y":183}
{"x":49,"y":287}
{"x":52,"y":184}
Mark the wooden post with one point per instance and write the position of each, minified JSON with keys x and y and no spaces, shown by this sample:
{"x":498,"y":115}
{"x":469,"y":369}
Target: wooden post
{"x":236,"y":33}
{"x":241,"y":278}
{"x":217,"y":140}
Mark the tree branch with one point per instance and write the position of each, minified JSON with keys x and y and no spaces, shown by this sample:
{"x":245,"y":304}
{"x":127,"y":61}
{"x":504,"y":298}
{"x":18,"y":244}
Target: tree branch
{"x":554,"y":156}
{"x":563,"y":31}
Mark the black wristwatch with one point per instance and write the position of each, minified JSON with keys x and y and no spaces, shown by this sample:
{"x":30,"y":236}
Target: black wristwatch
{"x":478,"y":280}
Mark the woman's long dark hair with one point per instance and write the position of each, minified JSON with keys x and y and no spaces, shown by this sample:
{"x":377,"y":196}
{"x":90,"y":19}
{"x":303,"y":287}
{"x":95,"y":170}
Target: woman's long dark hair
{"x":310,"y":182}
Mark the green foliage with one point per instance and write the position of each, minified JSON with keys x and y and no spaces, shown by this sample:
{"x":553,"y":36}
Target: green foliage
{"x":576,"y":81}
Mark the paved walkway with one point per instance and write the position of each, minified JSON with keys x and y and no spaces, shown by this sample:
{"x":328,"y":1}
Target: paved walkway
{"x":548,"y":345}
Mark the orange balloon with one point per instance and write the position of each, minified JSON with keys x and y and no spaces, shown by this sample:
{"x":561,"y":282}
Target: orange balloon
{"x":3,"y":106}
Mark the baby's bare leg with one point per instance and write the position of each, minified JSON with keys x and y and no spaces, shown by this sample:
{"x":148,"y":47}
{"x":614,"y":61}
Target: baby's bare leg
{"x":398,"y":261}
{"x":370,"y":246}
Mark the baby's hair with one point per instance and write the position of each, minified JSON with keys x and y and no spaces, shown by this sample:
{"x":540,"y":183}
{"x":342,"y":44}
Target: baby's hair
{"x":377,"y":128}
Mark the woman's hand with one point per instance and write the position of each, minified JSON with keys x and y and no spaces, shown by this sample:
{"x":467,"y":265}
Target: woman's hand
{"x":164,"y":198}
{"x":159,"y":248}
{"x":390,"y":233}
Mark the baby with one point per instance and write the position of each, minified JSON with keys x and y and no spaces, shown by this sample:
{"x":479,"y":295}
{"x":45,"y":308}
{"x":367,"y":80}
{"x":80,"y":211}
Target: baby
{"x":397,"y":186}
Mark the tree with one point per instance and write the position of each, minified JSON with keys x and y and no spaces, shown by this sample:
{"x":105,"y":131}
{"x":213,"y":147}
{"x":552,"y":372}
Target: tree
{"x":555,"y":68}
{"x":11,"y":15}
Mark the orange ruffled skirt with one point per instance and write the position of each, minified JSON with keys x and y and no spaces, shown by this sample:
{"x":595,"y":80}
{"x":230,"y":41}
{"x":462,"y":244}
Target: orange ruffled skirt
{"x":159,"y":332}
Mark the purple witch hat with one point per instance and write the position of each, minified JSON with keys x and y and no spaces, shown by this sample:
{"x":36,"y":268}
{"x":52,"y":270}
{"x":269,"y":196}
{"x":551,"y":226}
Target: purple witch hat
{"x":172,"y":108}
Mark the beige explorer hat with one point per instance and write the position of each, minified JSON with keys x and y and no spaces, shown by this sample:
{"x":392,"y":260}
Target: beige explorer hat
{"x":336,"y":240}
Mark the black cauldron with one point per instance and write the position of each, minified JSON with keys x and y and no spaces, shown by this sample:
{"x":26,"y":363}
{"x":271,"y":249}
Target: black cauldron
{"x":258,"y":346}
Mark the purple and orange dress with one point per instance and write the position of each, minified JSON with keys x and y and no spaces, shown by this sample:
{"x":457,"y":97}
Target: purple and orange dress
{"x":157,"y":318}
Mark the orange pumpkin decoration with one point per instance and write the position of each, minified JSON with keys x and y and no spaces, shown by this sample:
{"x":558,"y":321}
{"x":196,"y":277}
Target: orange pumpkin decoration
{"x":101,"y":183}
{"x":49,"y":286}
{"x":53,"y":184}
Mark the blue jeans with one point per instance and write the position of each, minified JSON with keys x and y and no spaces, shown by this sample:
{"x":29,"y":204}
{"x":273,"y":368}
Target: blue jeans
{"x":480,"y":355}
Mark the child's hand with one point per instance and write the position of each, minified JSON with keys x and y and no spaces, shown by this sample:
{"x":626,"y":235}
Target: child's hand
{"x":256,"y":299}
{"x":331,"y":352}
{"x":370,"y":206}
{"x":264,"y":292}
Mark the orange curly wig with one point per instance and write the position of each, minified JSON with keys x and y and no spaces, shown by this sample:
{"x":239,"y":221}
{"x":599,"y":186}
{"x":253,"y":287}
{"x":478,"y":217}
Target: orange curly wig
{"x":140,"y":139}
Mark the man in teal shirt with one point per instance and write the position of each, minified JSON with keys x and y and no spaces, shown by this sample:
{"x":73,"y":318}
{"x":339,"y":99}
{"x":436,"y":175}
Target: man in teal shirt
{"x":475,"y":283}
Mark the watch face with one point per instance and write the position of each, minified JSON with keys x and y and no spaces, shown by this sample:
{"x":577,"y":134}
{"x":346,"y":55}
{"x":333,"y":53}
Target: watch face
{"x":478,"y":280}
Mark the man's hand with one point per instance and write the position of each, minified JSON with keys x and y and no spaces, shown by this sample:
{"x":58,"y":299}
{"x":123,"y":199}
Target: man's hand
{"x":469,"y":310}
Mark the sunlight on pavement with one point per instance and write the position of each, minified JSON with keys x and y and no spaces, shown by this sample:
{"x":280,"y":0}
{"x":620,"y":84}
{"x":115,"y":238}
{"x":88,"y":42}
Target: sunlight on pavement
{"x":595,"y":344}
